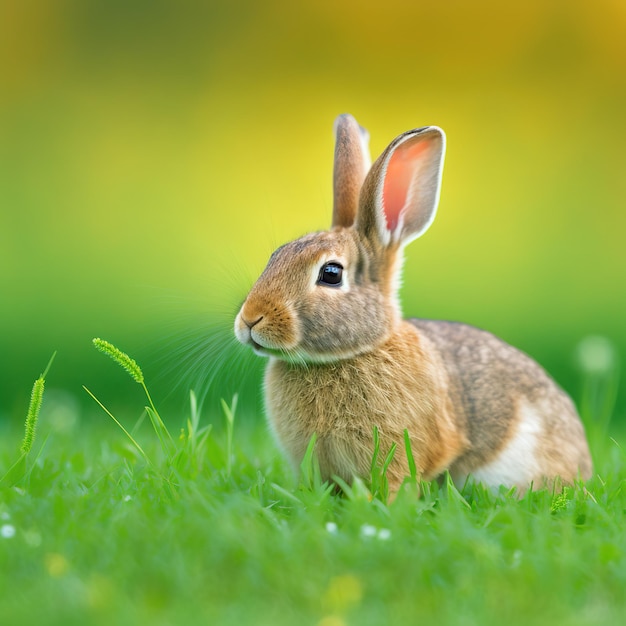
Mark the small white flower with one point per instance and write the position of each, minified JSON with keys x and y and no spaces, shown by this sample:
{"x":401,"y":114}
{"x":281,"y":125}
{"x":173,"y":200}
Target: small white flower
{"x":7,"y":531}
{"x":384,"y":534}
{"x":331,"y":527}
{"x":368,"y":531}
{"x":127,"y":498}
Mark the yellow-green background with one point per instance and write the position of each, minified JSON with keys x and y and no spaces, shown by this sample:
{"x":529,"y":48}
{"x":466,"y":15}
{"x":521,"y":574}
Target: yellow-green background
{"x":152,"y":154}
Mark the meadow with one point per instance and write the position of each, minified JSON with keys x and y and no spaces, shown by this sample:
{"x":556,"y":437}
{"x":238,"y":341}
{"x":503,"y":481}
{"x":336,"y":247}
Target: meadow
{"x":205,"y":524}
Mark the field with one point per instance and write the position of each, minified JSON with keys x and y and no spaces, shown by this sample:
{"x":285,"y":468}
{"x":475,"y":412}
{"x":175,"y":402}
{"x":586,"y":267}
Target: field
{"x":207,"y":525}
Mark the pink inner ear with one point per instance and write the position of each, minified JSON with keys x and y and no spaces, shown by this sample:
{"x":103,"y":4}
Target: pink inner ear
{"x":400,"y":171}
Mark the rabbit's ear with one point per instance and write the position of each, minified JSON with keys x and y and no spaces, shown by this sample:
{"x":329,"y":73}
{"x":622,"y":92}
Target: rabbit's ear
{"x":400,"y":195}
{"x":352,"y":162}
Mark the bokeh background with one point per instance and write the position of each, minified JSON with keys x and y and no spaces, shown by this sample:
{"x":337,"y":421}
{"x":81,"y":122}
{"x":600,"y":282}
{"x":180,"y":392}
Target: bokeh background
{"x":153,"y":154}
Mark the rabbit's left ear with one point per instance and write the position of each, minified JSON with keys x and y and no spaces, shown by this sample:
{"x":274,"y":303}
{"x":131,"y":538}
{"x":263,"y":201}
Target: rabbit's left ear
{"x":400,"y":195}
{"x":352,"y":161}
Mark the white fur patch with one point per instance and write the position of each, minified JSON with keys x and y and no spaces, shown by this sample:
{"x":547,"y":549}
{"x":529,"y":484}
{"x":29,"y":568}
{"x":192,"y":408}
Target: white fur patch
{"x":517,"y":462}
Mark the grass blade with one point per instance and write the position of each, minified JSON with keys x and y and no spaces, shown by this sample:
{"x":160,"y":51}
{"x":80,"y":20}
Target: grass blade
{"x":130,"y":437}
{"x":162,"y":433}
{"x":409,"y":455}
{"x":310,"y":475}
{"x":229,"y":413}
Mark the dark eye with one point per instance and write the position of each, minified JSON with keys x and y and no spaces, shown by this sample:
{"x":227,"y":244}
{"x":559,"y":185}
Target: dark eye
{"x":330,"y":274}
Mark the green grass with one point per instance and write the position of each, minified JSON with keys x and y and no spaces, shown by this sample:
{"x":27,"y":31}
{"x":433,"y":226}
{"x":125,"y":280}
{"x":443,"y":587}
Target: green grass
{"x":100,"y":526}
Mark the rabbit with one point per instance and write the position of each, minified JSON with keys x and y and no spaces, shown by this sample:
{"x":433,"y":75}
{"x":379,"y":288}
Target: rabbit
{"x":342,"y":360}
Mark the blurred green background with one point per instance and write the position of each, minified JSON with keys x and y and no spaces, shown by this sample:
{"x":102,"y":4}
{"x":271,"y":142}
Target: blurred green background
{"x":153,"y":154}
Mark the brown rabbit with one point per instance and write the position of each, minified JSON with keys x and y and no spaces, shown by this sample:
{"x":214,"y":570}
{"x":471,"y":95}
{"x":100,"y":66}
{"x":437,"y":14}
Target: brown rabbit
{"x":342,"y":360}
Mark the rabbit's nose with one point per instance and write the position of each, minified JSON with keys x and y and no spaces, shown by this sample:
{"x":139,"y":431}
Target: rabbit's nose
{"x":251,"y":324}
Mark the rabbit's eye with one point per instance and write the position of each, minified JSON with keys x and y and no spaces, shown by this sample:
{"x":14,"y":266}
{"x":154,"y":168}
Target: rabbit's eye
{"x":330,"y":274}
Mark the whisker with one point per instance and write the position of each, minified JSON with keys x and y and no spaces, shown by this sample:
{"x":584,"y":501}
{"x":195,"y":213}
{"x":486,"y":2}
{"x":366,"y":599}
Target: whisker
{"x":197,"y":349}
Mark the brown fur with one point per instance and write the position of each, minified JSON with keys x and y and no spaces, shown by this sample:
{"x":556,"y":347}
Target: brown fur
{"x":401,"y":384}
{"x":490,"y":379}
{"x":342,"y":360}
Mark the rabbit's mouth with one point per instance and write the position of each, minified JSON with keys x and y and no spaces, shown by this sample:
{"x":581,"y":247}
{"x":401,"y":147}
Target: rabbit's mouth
{"x":257,"y":347}
{"x":262,"y":350}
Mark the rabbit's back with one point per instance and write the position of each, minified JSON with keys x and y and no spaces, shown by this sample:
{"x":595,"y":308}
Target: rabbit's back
{"x":517,"y":420}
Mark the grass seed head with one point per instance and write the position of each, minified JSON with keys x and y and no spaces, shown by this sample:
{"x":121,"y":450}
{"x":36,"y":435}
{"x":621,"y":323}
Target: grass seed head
{"x":121,"y":358}
{"x":36,"y":398}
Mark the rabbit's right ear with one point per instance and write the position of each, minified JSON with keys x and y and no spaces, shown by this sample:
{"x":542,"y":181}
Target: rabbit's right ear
{"x":400,"y":194}
{"x":352,"y":162}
